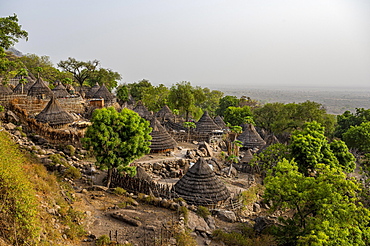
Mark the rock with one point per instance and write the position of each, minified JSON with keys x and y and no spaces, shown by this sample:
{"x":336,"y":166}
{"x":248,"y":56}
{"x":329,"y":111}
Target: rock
{"x":157,"y":166}
{"x":226,"y":215}
{"x":194,"y":221}
{"x":126,"y":219}
{"x":256,"y":208}
{"x":10,"y":126}
{"x":211,"y":222}
{"x":11,"y":117}
{"x":205,"y":145}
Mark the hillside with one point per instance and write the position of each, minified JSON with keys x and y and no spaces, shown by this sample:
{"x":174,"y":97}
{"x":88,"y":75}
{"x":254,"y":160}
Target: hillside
{"x":34,"y":209}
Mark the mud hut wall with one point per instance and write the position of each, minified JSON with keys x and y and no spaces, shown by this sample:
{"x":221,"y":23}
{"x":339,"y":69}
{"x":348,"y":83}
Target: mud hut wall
{"x":34,"y":106}
{"x":44,"y":130}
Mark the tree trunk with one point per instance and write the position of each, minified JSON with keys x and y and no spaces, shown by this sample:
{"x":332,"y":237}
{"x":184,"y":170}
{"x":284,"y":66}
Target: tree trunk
{"x":109,"y":178}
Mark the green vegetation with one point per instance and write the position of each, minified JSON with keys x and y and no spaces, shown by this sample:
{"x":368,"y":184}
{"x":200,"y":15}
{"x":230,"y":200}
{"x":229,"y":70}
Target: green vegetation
{"x":326,"y":208}
{"x":117,"y":139}
{"x":238,"y":116}
{"x":358,"y":137}
{"x":250,"y":196}
{"x":203,"y":212}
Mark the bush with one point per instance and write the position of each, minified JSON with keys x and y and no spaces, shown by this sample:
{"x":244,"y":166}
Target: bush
{"x":119,"y":191}
{"x":203,"y":212}
{"x":185,"y":239}
{"x":103,"y":240}
{"x":72,"y":173}
{"x":185,"y":211}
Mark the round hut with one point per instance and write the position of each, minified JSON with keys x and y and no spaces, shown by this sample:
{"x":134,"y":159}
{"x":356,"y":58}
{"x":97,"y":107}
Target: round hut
{"x":104,"y":93}
{"x":60,"y":91}
{"x":54,"y":114}
{"x":5,"y":90}
{"x":220,"y":122}
{"x":248,"y":156}
{"x":90,"y":93}
{"x":40,"y":90}
{"x":165,"y":114}
{"x":26,"y":87}
{"x":142,"y":111}
{"x":201,"y":186}
{"x":206,"y":124}
{"x":161,"y":139}
{"x":250,"y":138}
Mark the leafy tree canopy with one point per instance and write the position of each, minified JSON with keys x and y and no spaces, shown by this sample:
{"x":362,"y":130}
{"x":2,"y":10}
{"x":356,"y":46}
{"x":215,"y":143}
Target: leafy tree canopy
{"x":104,"y":76}
{"x":358,"y":137}
{"x":348,"y":119}
{"x":117,"y":139}
{"x":11,"y":31}
{"x":210,"y":102}
{"x":137,"y":89}
{"x":155,"y":97}
{"x":326,"y":208}
{"x":182,"y":97}
{"x":122,"y":93}
{"x":225,"y":102}
{"x":238,"y":115}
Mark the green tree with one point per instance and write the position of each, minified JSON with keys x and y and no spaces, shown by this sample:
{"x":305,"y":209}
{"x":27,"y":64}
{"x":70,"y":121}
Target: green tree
{"x":237,"y":116}
{"x":325,"y":208}
{"x":49,"y":72}
{"x":225,"y":102}
{"x":117,"y":139}
{"x":348,"y":119}
{"x":11,"y":31}
{"x":9,"y":66}
{"x":358,"y":137}
{"x":80,"y":70}
{"x":137,"y":89}
{"x":210,"y":102}
{"x":155,"y":97}
{"x":122,"y":93}
{"x":182,"y":97}
{"x":189,"y":125}
{"x":104,"y":76}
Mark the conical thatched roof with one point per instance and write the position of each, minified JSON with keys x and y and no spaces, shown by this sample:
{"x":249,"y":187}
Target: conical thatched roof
{"x":60,"y":91}
{"x":220,"y":122}
{"x":161,"y":140}
{"x":206,"y":124}
{"x":250,"y":137}
{"x":142,"y":110}
{"x":200,"y":185}
{"x":165,"y":114}
{"x":39,"y":88}
{"x":26,"y":87}
{"x":270,"y":140}
{"x":90,"y":93}
{"x":5,"y":90}
{"x":54,"y":114}
{"x":104,"y":93}
{"x":248,"y":156}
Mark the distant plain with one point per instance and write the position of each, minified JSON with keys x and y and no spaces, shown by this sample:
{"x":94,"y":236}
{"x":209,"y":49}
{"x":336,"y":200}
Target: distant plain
{"x":336,"y":100}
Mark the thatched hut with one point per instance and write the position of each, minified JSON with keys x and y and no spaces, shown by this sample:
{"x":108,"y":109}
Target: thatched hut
{"x":206,"y":124}
{"x":220,"y":122}
{"x":60,"y":91}
{"x":54,"y":114}
{"x":142,"y":111}
{"x":26,"y":87}
{"x":5,"y":90}
{"x":201,"y":186}
{"x":165,"y":114}
{"x":161,"y":139}
{"x":250,"y":138}
{"x":104,"y":93}
{"x":248,"y":156}
{"x":40,"y":90}
{"x":90,"y":93}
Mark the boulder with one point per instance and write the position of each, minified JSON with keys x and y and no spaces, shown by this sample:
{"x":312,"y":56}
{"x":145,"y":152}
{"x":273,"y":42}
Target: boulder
{"x":196,"y":222}
{"x":226,"y":215}
{"x":122,"y":217}
{"x":205,"y":145}
{"x":262,"y":223}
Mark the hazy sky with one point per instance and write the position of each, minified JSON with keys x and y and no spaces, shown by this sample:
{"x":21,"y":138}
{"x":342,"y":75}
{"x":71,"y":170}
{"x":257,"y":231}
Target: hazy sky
{"x":209,"y":43}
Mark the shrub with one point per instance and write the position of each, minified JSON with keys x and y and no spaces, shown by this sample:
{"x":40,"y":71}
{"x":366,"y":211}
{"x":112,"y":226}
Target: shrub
{"x":185,"y":211}
{"x":250,"y":196}
{"x":71,"y":150}
{"x":103,"y":240}
{"x":203,"y":212}
{"x":185,"y":239}
{"x":119,"y":191}
{"x":72,"y":173}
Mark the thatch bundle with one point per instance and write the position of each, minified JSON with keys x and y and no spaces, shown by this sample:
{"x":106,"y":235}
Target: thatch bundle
{"x":54,"y":114}
{"x":104,"y":93}
{"x":40,"y":89}
{"x":60,"y":91}
{"x":161,"y":139}
{"x":206,"y":124}
{"x":250,"y":137}
{"x":200,"y":186}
